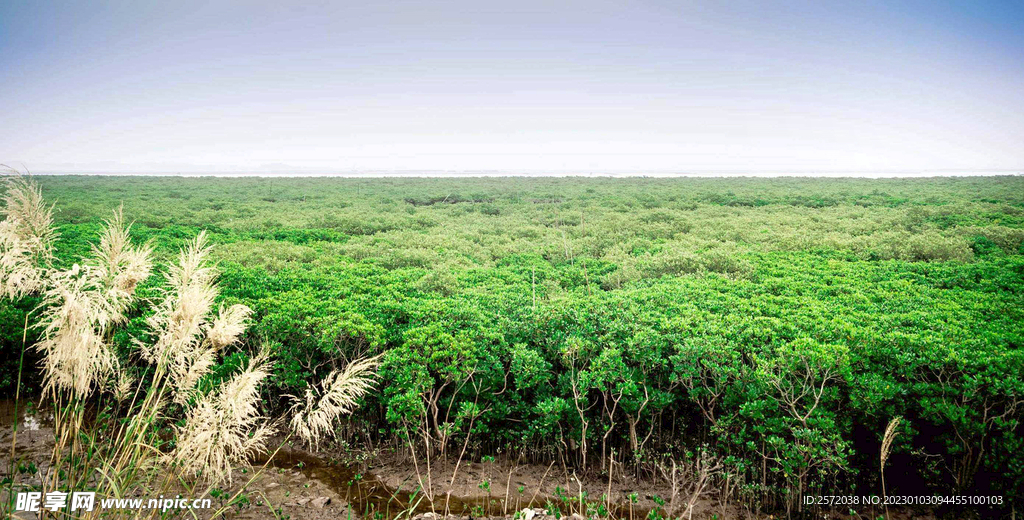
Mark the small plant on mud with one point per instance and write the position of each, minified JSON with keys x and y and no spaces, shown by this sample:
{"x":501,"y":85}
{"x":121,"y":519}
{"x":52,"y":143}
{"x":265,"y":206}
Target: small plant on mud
{"x":241,"y":501}
{"x":632,"y":499}
{"x":552,"y":509}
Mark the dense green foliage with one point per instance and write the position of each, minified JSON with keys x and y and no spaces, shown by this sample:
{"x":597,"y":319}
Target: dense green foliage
{"x":782,"y":322}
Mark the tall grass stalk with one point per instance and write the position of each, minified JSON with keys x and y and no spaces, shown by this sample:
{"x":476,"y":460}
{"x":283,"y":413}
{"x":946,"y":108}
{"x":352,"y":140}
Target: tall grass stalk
{"x":134,"y":447}
{"x":887,"y":439}
{"x":121,"y":455}
{"x":17,"y":398}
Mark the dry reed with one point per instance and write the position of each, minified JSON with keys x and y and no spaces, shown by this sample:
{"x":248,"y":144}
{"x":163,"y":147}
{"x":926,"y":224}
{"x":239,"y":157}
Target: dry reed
{"x":314,"y":414}
{"x":225,"y":427}
{"x":26,"y":237}
{"x":887,"y":440}
{"x":79,"y":312}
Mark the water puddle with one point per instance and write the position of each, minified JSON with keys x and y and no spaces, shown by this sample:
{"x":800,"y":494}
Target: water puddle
{"x":362,"y":493}
{"x":369,"y":497}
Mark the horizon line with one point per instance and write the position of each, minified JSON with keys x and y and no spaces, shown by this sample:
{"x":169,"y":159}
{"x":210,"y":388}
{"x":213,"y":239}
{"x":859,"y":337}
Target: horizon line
{"x":433,"y":173}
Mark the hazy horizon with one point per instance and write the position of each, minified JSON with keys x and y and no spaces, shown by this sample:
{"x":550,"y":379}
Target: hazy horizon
{"x":370,"y":174}
{"x":577,"y":87}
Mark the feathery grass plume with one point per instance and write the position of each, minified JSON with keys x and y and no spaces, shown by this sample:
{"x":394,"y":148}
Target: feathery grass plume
{"x":24,"y":203}
{"x":888,"y":438}
{"x":19,"y":276}
{"x":26,"y":237}
{"x":80,"y":308}
{"x":229,"y":324}
{"x":225,"y":426}
{"x":119,"y":264}
{"x":314,"y":415}
{"x":189,"y":369}
{"x":82,"y":303}
{"x":182,"y":318}
{"x":75,"y":317}
{"x":124,"y":386}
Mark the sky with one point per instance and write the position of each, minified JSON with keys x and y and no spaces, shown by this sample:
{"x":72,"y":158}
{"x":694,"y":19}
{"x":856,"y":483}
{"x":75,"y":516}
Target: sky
{"x":525,"y":86}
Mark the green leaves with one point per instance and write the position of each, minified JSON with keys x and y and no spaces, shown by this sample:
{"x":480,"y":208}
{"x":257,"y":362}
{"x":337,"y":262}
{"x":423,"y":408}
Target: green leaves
{"x":782,"y":321}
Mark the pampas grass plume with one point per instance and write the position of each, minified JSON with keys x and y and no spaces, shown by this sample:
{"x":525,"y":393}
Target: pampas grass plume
{"x":314,"y":415}
{"x":225,"y":427}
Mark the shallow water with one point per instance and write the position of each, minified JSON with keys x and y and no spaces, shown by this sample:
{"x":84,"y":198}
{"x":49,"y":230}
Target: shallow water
{"x":363,"y":492}
{"x":368,"y":495}
{"x":29,"y":418}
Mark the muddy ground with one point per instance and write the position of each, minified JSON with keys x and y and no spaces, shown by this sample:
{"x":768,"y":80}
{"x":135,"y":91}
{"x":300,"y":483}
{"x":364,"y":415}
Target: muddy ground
{"x":299,"y":484}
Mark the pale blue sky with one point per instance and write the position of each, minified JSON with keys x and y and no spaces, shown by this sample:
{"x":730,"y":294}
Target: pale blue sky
{"x":517,"y":86}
